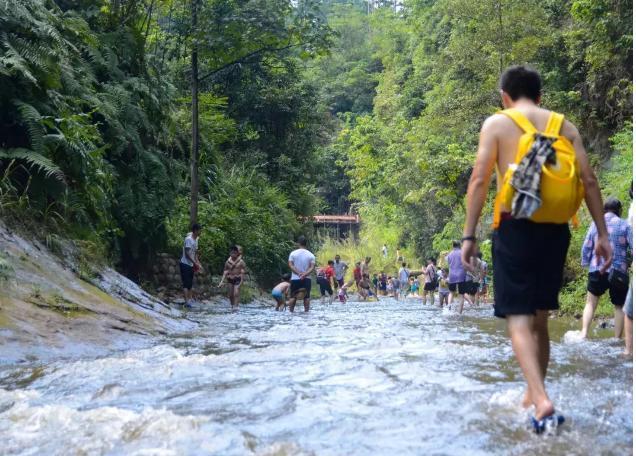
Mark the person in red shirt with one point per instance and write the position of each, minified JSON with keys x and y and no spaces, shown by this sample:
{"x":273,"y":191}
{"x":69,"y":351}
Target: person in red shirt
{"x":325,"y":277}
{"x":357,"y":274}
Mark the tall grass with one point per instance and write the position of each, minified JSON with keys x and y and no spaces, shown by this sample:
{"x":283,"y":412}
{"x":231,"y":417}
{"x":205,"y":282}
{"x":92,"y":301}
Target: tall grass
{"x":369,"y":245}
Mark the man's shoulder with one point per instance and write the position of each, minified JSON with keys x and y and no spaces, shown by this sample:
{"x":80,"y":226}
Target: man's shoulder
{"x":495,"y":122}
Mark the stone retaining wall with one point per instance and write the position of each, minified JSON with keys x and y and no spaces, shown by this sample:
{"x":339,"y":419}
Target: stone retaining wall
{"x":166,"y":273}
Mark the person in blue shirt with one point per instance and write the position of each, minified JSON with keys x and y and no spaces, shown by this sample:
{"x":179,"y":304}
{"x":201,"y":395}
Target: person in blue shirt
{"x":599,"y":281}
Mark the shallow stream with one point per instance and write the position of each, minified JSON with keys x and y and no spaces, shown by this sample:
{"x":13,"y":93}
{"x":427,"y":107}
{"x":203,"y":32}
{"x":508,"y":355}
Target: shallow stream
{"x":389,"y":378}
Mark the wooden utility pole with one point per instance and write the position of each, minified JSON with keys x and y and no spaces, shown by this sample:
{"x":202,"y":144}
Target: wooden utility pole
{"x":194,"y":158}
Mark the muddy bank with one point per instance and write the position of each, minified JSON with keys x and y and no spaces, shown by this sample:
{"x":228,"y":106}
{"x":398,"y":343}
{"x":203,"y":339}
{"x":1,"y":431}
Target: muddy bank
{"x":48,"y":311}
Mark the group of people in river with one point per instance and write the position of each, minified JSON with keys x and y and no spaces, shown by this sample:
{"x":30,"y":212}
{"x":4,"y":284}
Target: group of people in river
{"x":453,"y":281}
{"x":543,"y":175}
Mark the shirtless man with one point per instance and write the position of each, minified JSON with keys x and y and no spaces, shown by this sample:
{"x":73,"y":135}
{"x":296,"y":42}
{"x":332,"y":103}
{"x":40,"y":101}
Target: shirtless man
{"x":528,"y":257}
{"x":364,"y":267}
{"x":234,"y":274}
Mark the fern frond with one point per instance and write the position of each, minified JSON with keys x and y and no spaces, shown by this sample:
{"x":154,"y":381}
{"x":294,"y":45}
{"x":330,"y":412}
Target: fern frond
{"x":37,"y":54}
{"x":31,"y":118}
{"x":35,"y":160}
{"x":14,"y":63}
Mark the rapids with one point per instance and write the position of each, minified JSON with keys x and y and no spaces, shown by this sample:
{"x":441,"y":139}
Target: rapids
{"x":383,"y":378}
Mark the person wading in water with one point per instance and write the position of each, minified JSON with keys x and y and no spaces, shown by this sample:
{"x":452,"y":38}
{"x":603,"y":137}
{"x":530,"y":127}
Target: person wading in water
{"x":302,"y":263}
{"x":189,"y":263}
{"x":531,"y":237}
{"x":234,"y":274}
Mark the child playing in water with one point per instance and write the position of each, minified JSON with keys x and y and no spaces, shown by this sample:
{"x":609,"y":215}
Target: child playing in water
{"x":342,"y":292}
{"x":280,"y":292}
{"x":443,"y":288}
{"x":414,"y":287}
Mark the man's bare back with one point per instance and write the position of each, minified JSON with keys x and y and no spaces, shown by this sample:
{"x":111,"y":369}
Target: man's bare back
{"x":500,"y":138}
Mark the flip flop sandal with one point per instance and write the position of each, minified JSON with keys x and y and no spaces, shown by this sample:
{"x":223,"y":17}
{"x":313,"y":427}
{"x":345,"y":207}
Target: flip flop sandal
{"x":548,"y":424}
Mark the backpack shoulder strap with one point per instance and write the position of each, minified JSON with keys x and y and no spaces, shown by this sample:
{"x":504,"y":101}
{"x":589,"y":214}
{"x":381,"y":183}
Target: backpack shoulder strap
{"x":555,"y":121}
{"x":521,"y":120}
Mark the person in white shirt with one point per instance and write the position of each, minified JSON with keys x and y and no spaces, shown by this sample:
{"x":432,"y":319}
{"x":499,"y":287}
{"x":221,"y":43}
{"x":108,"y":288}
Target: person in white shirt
{"x":385,"y":251}
{"x":302,"y":263}
{"x":189,"y":263}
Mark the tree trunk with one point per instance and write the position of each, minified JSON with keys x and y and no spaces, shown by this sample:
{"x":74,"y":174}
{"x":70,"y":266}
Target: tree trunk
{"x":194,"y":159}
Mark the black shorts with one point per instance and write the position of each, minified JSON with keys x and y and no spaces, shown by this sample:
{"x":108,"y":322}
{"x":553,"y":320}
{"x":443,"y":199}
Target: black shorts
{"x":598,"y":284}
{"x":458,"y":287}
{"x":187,"y":275}
{"x":325,"y":287}
{"x":471,"y":288}
{"x":234,"y":281}
{"x":430,"y":286}
{"x":528,"y":261}
{"x":299,"y":284}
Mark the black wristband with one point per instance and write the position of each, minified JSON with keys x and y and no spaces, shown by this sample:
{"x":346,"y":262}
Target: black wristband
{"x":469,"y":238}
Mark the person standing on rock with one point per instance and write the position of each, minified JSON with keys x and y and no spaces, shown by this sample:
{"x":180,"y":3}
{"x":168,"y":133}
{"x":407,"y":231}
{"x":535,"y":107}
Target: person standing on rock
{"x":302,"y":263}
{"x":189,"y":263}
{"x":234,"y":275}
{"x":528,"y":251}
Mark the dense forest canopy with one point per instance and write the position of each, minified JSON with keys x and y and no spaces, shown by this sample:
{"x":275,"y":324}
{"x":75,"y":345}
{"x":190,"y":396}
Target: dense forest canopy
{"x":303,"y":107}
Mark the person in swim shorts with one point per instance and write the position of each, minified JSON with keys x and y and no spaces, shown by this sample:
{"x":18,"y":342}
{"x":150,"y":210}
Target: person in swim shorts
{"x":281,"y":291}
{"x":301,"y":262}
{"x":325,"y":279}
{"x":528,"y":257}
{"x":456,"y":276}
{"x":234,"y":275}
{"x":430,"y":280}
{"x":598,"y":282}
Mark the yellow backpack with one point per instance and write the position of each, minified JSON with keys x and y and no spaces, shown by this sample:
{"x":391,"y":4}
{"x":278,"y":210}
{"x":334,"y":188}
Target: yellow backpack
{"x":561,"y":187}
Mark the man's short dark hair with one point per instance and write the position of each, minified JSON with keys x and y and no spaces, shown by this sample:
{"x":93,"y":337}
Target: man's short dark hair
{"x":302,"y":241}
{"x":613,"y":205}
{"x":521,"y":81}
{"x":287,"y":277}
{"x":403,"y":265}
{"x":330,"y":262}
{"x":195,"y":227}
{"x":456,"y":244}
{"x":234,"y":248}
{"x":432,"y":260}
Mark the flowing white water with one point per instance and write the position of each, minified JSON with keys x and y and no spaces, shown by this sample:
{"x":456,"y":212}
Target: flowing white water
{"x":366,"y":378}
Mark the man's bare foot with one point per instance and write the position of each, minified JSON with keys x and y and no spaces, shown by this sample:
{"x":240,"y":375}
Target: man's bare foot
{"x":543,"y":409}
{"x":526,"y":402}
